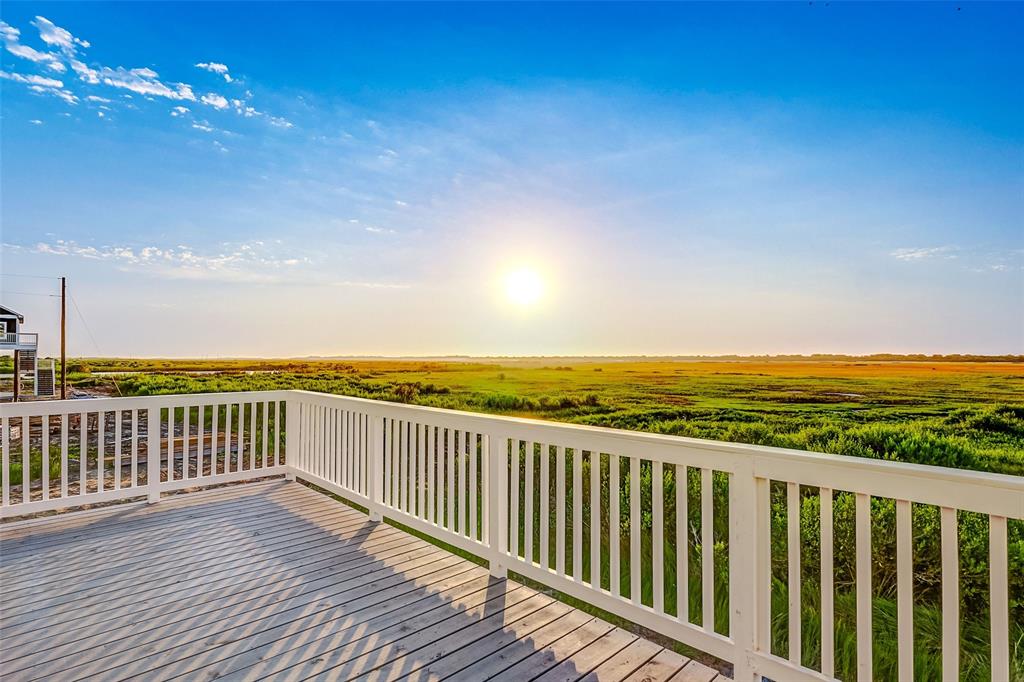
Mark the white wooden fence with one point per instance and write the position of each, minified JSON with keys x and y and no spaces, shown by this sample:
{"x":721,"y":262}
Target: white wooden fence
{"x":595,"y":513}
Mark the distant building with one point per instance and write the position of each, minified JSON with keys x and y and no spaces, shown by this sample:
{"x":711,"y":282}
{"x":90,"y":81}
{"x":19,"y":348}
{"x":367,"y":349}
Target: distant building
{"x":25,"y":347}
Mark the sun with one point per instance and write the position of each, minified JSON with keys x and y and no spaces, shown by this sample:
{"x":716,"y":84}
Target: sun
{"x":524,"y":287}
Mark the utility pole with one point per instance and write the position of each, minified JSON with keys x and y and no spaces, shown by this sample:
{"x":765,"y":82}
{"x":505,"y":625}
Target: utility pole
{"x":63,"y":339}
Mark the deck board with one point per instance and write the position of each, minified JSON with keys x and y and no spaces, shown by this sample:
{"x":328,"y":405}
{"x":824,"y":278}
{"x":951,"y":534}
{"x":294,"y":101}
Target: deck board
{"x":276,"y":581}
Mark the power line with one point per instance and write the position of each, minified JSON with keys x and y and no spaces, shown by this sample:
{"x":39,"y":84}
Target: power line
{"x":29,"y":293}
{"x":87,"y":329}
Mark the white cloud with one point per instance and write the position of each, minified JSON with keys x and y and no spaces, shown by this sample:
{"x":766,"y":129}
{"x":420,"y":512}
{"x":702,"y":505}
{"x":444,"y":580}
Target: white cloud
{"x":36,"y":121}
{"x":245,"y":262}
{"x":379,"y":230}
{"x":924,"y":253}
{"x":32,"y":54}
{"x":179,"y":111}
{"x":8,"y":33}
{"x":214,"y":100}
{"x":145,"y":81}
{"x":57,"y":36}
{"x":11,"y":38}
{"x":89,"y":75}
{"x":279,"y":122}
{"x":32,"y":79}
{"x":203,"y":125}
{"x":214,"y":67}
{"x":65,"y":95}
{"x":97,"y":98}
{"x":219,"y":147}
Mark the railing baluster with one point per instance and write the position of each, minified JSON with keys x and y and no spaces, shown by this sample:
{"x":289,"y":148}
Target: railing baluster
{"x":118,"y":417}
{"x":252,"y":436}
{"x":560,"y":510}
{"x":421,"y":452}
{"x":595,"y":519}
{"x":904,"y":591}
{"x":101,"y":450}
{"x":999,"y":597}
{"x":265,"y":418}
{"x":793,"y":582}
{"x":474,"y":483}
{"x":513,"y":486}
{"x":682,"y":545}
{"x":528,"y":505}
{"x":215,"y":437}
{"x":488,"y":492}
{"x":707,"y":549}
{"x":577,"y":514}
{"x":63,"y":455}
{"x":432,"y":477}
{"x":6,"y":472}
{"x":545,"y":505}
{"x":277,"y":432}
{"x":658,"y":534}
{"x":828,"y":641}
{"x":201,"y":441}
{"x":186,"y":443}
{"x":950,"y":595}
{"x":863,"y":532}
{"x":26,"y":459}
{"x":635,"y":561}
{"x":615,"y":525}
{"x":450,"y":452}
{"x":83,"y":452}
{"x":45,"y":455}
{"x":464,"y":483}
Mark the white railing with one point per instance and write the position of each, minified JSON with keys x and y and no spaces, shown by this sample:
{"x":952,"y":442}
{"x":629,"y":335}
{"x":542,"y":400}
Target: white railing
{"x":118,"y":448}
{"x":22,"y":340}
{"x":618,"y":519}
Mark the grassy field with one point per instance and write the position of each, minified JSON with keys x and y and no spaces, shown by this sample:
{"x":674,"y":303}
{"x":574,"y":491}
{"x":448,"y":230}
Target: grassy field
{"x":961,"y":414}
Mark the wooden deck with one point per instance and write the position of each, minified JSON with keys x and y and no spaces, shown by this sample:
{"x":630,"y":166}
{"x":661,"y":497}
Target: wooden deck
{"x":276,"y":581}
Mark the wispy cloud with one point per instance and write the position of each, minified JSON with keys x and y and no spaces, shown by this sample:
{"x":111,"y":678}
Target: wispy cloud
{"x":243,"y":262}
{"x":145,"y":81}
{"x":68,"y":52}
{"x":214,"y":100}
{"x":214,"y":67}
{"x":924,"y":253}
{"x":57,"y":36}
{"x":32,"y":79}
{"x":254,"y":262}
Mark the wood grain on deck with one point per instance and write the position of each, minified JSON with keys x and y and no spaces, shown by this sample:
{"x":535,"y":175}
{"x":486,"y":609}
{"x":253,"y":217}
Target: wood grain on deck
{"x":276,"y":581}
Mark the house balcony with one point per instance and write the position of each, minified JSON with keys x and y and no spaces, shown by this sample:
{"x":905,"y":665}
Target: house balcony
{"x":275,"y":578}
{"x":19,"y":341}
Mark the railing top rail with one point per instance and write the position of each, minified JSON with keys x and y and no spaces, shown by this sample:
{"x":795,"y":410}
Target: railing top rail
{"x":978,"y":490}
{"x":744,"y":449}
{"x":52,"y":407}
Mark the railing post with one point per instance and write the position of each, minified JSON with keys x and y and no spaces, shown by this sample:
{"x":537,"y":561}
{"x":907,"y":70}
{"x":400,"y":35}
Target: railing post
{"x":153,"y":454}
{"x":291,"y":438}
{"x":743,"y":568}
{"x":376,"y":467}
{"x":495,"y":496}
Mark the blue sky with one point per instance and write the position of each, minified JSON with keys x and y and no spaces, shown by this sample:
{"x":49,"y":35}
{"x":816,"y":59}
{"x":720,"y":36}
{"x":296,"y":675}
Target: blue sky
{"x":267,"y":179}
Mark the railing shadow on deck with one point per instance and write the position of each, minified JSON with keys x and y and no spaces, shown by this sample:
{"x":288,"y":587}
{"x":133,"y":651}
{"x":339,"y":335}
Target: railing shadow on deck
{"x":350,"y":620}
